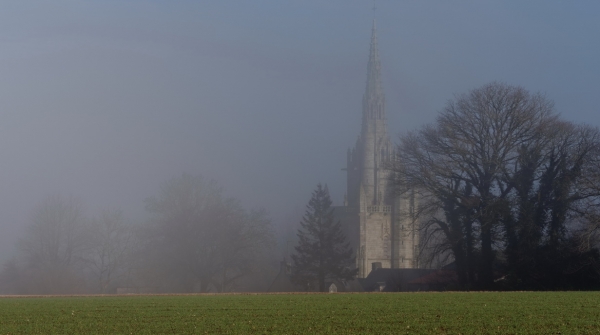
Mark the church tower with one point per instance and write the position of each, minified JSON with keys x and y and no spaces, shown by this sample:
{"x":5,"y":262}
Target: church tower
{"x":381,"y":227}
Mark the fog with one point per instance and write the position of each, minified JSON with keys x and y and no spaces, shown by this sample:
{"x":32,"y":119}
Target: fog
{"x":105,"y":100}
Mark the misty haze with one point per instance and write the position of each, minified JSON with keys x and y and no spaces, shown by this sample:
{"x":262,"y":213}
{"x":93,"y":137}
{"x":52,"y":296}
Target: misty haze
{"x":194,"y":146}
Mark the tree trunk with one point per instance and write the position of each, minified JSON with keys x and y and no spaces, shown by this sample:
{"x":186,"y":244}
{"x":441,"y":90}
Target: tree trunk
{"x":486,"y":271}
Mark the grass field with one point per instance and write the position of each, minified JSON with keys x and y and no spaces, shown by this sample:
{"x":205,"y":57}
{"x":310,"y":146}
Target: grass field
{"x":394,"y":313}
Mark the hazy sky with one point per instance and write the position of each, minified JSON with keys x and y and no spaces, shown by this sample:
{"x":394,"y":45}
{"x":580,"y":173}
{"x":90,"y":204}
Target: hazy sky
{"x":105,"y":100}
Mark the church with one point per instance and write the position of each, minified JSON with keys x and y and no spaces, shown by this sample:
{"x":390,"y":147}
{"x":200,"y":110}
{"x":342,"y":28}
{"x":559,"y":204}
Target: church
{"x":380,"y":226}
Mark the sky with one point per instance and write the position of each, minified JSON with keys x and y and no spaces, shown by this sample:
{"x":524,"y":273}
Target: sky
{"x":104,"y":100}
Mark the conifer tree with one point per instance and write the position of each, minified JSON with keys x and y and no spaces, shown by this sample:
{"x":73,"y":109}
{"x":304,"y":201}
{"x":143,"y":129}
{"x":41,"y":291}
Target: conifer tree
{"x":322,"y":253}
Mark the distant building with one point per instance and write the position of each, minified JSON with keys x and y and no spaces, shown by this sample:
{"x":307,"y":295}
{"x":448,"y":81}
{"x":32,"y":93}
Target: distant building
{"x":380,"y":226}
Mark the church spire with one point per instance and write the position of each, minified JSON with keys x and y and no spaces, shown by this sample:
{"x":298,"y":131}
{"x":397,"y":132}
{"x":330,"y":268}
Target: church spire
{"x":377,"y":231}
{"x":375,"y":144}
{"x":374,"y":100}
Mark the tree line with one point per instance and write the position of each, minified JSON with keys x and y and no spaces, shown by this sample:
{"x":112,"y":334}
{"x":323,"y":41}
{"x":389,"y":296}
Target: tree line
{"x":196,"y":240}
{"x":508,"y":191}
{"x":507,"y":196}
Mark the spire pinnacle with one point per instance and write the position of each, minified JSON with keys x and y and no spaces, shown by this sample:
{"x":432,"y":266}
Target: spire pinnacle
{"x":374,"y":98}
{"x":374,"y":66}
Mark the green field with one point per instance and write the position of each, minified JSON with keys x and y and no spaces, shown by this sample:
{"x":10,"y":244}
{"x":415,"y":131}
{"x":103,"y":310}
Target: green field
{"x":392,"y":313}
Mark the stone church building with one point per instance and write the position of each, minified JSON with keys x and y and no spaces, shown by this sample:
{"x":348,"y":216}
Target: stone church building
{"x":379,"y":226}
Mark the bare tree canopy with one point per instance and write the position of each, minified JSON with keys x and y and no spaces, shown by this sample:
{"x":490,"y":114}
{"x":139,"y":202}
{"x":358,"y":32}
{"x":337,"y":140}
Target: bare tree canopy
{"x":106,"y":254}
{"x":200,"y":238}
{"x":497,"y":165}
{"x":197,"y":239}
{"x":51,"y":249}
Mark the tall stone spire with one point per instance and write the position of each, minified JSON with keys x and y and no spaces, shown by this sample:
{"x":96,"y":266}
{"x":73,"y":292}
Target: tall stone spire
{"x":375,"y":141}
{"x":376,"y":220}
{"x":374,"y":100}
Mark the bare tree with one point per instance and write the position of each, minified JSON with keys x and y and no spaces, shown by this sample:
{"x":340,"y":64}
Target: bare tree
{"x":459,"y":164}
{"x":106,"y":253}
{"x":500,"y":174}
{"x":201,"y":237}
{"x":551,"y":195}
{"x":52,"y":247}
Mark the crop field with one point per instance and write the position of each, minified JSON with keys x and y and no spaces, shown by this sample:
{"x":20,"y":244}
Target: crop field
{"x":390,"y":313}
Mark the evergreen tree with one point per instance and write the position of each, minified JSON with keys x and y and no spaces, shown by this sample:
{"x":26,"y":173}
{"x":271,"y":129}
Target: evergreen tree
{"x":322,"y":253}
